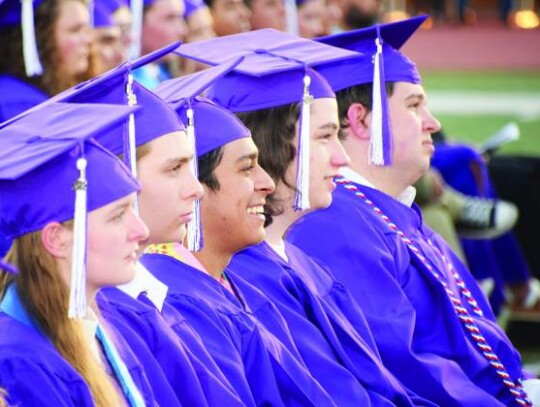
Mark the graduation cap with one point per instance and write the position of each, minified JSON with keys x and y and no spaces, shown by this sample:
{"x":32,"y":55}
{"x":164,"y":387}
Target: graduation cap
{"x":382,"y":62}
{"x":209,"y":126}
{"x":153,"y":117}
{"x":51,"y":170}
{"x":21,"y":12}
{"x":276,"y":71}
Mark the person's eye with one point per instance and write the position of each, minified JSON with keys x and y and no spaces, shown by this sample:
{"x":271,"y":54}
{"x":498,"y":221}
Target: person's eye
{"x":118,"y":216}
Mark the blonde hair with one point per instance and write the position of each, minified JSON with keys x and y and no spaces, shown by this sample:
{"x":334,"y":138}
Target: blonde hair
{"x":45,"y":296}
{"x":2,"y":400}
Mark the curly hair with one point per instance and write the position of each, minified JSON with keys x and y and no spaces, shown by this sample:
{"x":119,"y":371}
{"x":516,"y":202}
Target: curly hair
{"x":52,"y":81}
{"x":273,"y":131}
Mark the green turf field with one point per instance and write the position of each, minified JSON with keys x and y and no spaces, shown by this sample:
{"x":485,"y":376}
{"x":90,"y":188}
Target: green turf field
{"x":476,"y":128}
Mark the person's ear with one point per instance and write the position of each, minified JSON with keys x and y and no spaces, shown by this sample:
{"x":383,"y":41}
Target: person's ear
{"x":57,"y":239}
{"x":358,"y":118}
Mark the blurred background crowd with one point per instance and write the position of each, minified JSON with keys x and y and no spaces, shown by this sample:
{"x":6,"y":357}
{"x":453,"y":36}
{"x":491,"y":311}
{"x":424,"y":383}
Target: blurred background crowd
{"x":481,"y":67}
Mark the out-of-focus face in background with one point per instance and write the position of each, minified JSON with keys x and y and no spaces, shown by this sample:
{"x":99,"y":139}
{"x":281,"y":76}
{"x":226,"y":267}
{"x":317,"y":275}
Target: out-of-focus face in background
{"x":163,"y":24}
{"x":230,"y":16}
{"x":268,"y":14}
{"x":312,"y":19}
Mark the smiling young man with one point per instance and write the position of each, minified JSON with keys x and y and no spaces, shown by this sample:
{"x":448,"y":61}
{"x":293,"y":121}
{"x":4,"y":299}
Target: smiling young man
{"x":434,"y":329}
{"x":336,"y":344}
{"x":261,"y":368}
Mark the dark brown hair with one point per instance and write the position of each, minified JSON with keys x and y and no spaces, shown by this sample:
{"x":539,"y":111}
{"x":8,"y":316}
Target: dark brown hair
{"x":273,"y":131}
{"x":362,"y":94}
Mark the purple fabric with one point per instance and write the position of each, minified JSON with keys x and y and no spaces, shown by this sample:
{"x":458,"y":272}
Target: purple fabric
{"x":419,"y":336}
{"x":10,"y":12}
{"x":38,"y":154}
{"x":242,"y":93}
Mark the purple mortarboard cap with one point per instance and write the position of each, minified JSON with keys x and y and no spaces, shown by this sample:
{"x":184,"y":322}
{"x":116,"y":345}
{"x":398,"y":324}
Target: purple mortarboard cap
{"x":17,"y":12}
{"x":209,"y":126}
{"x":152,"y":119}
{"x":191,"y":6}
{"x":51,"y":170}
{"x":382,"y":63}
{"x":102,"y":16}
{"x":275,"y":70}
{"x":266,"y":51}
{"x":215,"y":126}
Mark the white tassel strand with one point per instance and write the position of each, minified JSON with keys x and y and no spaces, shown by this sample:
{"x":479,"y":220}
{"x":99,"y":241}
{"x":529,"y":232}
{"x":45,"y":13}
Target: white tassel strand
{"x":77,"y":297}
{"x":132,"y":101}
{"x":30,"y":52}
{"x":376,"y":140}
{"x":194,"y":235}
{"x":303,"y":157}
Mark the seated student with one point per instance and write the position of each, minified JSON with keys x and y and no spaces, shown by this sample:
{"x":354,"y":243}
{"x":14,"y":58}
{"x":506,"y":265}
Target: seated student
{"x":59,"y":56}
{"x":55,"y":348}
{"x":235,"y":192}
{"x":334,"y":350}
{"x":434,"y":329}
{"x":162,"y":157}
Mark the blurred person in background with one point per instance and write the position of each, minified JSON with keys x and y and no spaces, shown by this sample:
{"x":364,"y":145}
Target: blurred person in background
{"x":163,"y":23}
{"x":65,"y":55}
{"x":357,"y":14}
{"x":230,"y":16}
{"x":267,"y":14}
{"x":200,"y":25}
{"x":109,"y":44}
{"x":312,"y":15}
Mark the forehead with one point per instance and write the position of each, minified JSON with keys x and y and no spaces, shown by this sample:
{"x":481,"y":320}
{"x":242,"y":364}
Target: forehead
{"x":169,"y":145}
{"x":238,"y":149}
{"x":406,"y":89}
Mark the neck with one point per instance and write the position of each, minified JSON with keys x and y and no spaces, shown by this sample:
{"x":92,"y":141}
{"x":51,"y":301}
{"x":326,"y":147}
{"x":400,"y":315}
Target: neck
{"x":281,"y":223}
{"x":213,"y":261}
{"x":384,"y":179}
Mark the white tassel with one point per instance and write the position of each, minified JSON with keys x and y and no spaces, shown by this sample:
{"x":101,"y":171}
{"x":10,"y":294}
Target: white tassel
{"x":376,"y":140}
{"x":136,"y":28}
{"x":302,"y":177}
{"x":77,"y":297}
{"x":132,"y":101}
{"x":30,"y":52}
{"x":194,"y":235}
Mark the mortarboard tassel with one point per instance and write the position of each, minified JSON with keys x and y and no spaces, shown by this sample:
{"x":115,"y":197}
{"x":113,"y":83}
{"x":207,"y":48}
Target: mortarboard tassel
{"x":381,"y":139}
{"x":77,"y":297}
{"x":194,"y":228}
{"x":131,"y":153}
{"x":301,"y":198}
{"x":136,"y":28}
{"x":30,"y":52}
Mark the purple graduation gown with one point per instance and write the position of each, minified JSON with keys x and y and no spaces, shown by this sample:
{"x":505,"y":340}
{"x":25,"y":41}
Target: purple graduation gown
{"x":314,"y":306}
{"x":257,"y":364}
{"x":418,"y":334}
{"x":33,"y":373}
{"x":180,"y":353}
